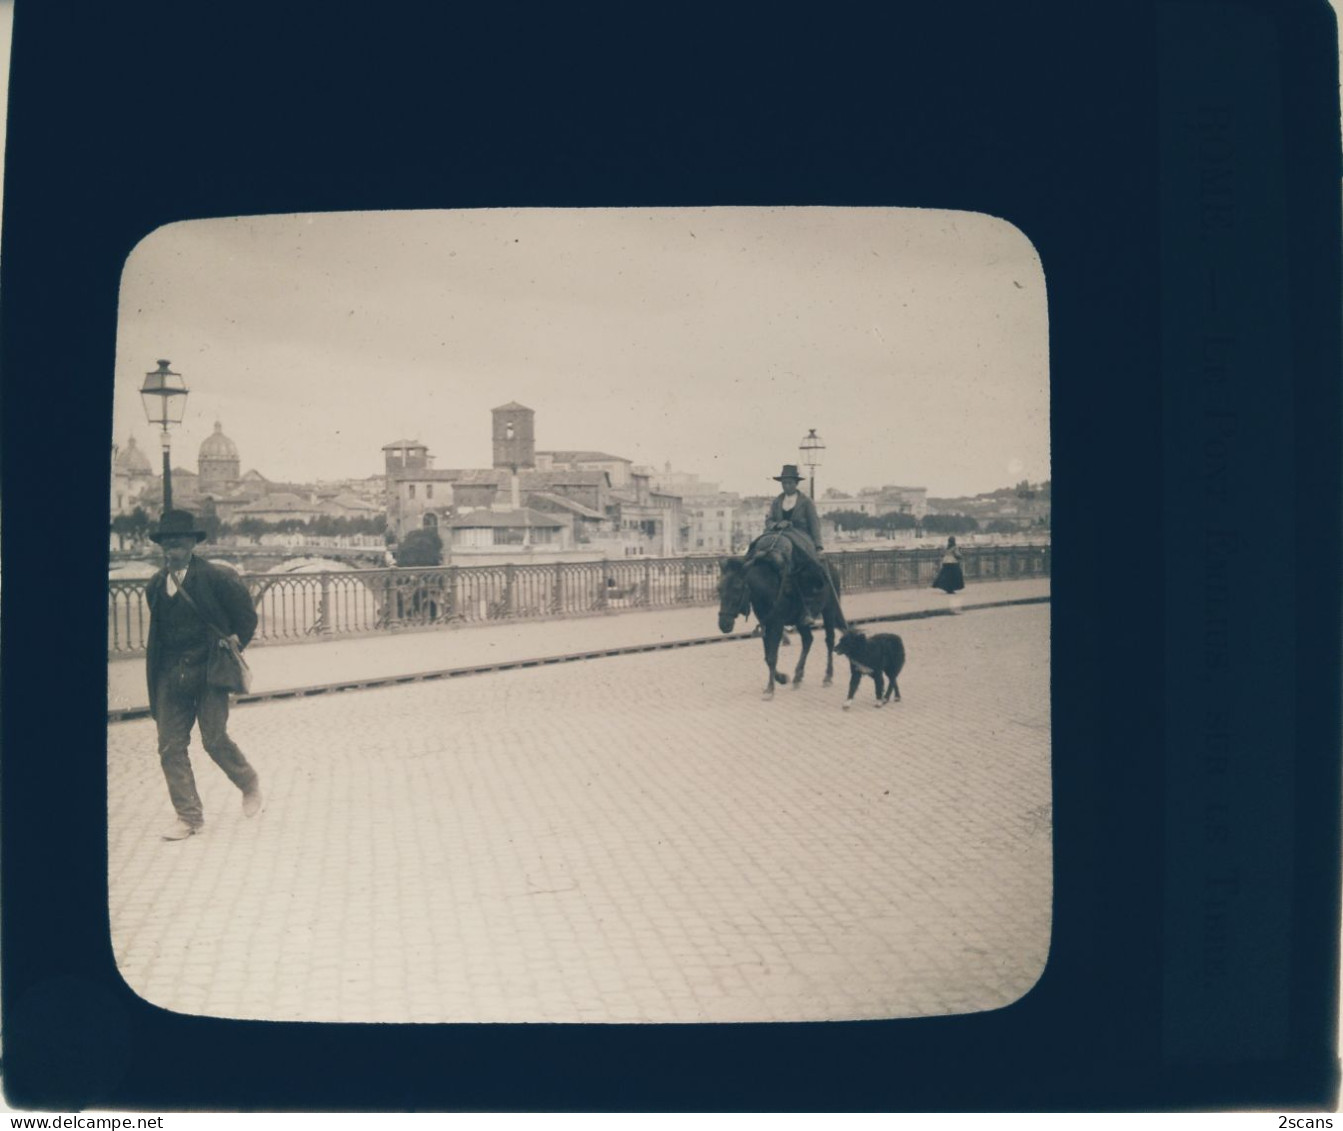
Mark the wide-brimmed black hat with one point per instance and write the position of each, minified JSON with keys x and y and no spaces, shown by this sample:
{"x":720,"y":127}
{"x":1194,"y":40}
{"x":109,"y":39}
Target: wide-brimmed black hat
{"x":175,"y":523}
{"x":789,"y":472}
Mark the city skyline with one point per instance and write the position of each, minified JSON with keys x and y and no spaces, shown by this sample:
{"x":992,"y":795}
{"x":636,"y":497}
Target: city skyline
{"x":699,"y":337}
{"x":187,"y":461}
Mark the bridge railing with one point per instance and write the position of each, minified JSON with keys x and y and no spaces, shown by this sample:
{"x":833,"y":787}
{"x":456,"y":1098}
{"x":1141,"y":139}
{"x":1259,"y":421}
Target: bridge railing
{"x":314,"y":606}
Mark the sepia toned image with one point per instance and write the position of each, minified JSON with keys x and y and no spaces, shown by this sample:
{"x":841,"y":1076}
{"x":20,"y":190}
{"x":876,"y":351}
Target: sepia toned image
{"x":581,"y":615}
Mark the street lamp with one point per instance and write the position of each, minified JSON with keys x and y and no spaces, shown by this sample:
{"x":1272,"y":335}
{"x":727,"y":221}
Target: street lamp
{"x":809,"y":454}
{"x":165,"y":398}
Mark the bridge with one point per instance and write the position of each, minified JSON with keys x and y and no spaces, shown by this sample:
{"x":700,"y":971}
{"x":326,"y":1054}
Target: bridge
{"x":331,"y":604}
{"x":260,"y":559}
{"x":631,"y":837}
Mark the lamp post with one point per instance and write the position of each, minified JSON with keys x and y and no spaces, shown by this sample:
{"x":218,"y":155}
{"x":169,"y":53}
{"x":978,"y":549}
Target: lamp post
{"x":809,"y":454}
{"x":164,"y":394}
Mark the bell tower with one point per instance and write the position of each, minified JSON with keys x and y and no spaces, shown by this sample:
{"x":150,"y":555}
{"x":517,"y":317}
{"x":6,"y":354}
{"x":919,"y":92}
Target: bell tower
{"x":514,"y":436}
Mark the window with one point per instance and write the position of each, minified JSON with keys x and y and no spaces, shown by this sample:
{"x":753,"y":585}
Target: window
{"x":508,"y":536}
{"x":411,"y":489}
{"x":428,"y":490}
{"x":431,"y":521}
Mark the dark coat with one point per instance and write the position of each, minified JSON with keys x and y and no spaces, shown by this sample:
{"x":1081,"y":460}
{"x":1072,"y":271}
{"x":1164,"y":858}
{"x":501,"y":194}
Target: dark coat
{"x":222,"y":599}
{"x":803,"y":517}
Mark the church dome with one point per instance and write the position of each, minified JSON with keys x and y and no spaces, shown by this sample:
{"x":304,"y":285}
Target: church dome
{"x":133,"y":461}
{"x":218,"y":446}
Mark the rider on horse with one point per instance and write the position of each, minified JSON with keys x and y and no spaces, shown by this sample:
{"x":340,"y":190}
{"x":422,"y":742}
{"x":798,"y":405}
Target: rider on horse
{"x":794,"y":516}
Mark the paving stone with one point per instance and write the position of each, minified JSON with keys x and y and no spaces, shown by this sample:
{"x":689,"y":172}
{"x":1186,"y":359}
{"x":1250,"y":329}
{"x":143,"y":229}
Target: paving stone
{"x":633,"y":838}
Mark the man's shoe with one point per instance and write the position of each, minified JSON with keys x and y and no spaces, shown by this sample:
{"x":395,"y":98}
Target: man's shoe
{"x":251,"y":802}
{"x":180,"y":830}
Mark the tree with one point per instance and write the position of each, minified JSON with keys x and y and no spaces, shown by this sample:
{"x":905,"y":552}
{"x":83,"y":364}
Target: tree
{"x":121,"y":527}
{"x":251,"y":528}
{"x":208,"y":520}
{"x":950,"y":524}
{"x":896,"y":520}
{"x":850,"y":520}
{"x":138,"y":526}
{"x":420,"y":548}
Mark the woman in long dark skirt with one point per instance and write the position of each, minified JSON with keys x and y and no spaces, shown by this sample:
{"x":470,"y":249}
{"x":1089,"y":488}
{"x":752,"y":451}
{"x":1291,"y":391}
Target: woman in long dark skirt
{"x":950,"y":578}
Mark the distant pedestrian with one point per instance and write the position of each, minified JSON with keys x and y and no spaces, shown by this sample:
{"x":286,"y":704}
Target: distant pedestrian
{"x":192,"y":604}
{"x":950,"y":578}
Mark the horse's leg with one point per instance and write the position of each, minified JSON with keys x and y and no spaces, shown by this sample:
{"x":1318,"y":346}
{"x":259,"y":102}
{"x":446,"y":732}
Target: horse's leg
{"x":893,"y":692}
{"x":772,"y":634}
{"x":805,"y":634}
{"x":876,"y":678}
{"x":829,"y":652}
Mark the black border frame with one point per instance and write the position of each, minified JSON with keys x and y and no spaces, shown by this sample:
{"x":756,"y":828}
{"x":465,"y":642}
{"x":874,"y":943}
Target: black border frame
{"x":1047,"y":115}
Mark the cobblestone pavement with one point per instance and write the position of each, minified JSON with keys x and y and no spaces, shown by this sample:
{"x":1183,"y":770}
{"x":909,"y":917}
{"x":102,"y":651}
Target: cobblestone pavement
{"x":638,"y":838}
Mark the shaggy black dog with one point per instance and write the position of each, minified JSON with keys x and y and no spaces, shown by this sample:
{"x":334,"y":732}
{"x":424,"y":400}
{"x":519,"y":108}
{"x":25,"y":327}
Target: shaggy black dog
{"x":881,"y":654}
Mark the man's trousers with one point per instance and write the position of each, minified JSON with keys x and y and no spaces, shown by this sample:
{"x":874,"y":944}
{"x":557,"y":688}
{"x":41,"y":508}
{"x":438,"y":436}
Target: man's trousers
{"x":184,"y":698}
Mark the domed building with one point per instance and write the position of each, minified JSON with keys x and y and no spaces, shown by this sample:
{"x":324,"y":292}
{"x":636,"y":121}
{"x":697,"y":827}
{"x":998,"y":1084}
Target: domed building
{"x":218,"y":464}
{"x":132,"y":473}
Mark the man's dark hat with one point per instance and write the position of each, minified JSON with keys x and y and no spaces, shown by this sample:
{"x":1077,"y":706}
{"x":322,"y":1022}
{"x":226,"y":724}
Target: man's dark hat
{"x":177,"y":522}
{"x":789,"y":472}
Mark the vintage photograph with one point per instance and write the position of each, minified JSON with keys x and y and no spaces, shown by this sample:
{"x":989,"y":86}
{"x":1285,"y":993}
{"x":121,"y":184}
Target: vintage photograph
{"x":581,"y":615}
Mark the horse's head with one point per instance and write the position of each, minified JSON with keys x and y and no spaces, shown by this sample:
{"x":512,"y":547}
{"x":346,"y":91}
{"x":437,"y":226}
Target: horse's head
{"x":734,"y":596}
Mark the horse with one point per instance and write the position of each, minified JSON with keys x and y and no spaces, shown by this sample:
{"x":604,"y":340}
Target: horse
{"x":763,"y":585}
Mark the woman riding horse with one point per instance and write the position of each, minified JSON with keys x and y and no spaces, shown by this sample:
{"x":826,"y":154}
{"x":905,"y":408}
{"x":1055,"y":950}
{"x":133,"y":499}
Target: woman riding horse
{"x":761,"y":585}
{"x":794,"y":515}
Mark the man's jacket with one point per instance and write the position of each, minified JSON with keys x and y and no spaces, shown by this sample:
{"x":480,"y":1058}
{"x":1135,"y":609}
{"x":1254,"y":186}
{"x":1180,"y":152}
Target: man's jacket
{"x":221,"y":598}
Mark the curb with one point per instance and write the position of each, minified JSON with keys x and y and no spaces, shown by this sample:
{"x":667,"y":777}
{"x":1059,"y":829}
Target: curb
{"x":129,"y":713}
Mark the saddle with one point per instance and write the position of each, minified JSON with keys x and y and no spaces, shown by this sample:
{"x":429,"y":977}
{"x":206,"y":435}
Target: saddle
{"x":774,"y":547}
{"x":781,"y":547}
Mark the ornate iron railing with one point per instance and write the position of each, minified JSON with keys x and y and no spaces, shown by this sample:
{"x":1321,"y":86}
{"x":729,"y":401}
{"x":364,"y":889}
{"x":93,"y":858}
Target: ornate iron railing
{"x":306,"y":606}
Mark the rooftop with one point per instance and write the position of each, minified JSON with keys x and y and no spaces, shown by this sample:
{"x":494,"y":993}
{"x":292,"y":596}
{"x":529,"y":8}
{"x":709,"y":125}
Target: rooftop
{"x":281,"y":501}
{"x":567,"y":504}
{"x":522,"y":517}
{"x":569,"y":456}
{"x":450,"y":475}
{"x":350,"y":502}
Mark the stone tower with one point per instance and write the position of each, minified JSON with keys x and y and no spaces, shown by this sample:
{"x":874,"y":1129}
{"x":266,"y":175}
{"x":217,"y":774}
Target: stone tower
{"x":405,"y":455}
{"x":514,"y":436}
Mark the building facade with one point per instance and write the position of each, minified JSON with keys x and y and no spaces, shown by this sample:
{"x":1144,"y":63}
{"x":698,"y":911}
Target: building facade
{"x":711,"y":523}
{"x":218,"y":468}
{"x":912,"y":501}
{"x":589,"y":499}
{"x":133,"y":478}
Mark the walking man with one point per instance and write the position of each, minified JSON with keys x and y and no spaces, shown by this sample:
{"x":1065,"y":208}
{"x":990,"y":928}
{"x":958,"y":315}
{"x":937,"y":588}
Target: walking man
{"x":192,"y":603}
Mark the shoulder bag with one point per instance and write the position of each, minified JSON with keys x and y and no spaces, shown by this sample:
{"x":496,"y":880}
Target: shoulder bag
{"x":226,"y":667}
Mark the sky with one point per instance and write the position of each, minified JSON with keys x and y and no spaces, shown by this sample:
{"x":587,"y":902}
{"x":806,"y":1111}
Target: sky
{"x":713,"y":339}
